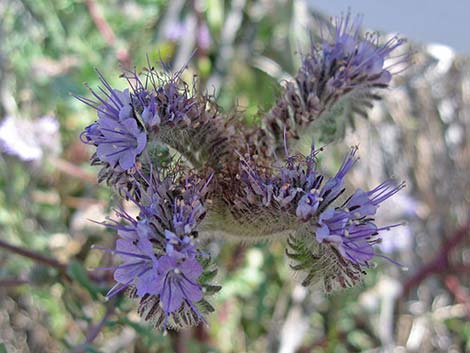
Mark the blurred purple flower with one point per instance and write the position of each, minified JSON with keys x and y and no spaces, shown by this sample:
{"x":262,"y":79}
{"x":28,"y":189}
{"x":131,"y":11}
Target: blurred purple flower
{"x":175,"y":30}
{"x":203,"y":37}
{"x":399,"y":238}
{"x":30,"y":140}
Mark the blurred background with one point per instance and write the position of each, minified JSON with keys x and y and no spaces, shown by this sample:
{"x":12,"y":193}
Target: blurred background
{"x":241,"y":50}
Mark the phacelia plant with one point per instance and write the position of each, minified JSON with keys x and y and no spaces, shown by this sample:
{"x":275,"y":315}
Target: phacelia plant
{"x":193,"y":174}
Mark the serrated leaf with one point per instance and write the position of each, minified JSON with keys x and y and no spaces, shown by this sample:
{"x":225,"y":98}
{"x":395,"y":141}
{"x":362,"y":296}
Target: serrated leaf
{"x":322,"y":264}
{"x":207,"y":276}
{"x":211,"y":289}
{"x":205,"y":306}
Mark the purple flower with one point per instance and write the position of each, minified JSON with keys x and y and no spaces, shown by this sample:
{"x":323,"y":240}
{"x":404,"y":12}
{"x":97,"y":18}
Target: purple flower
{"x":353,"y":240}
{"x":362,"y":203}
{"x":179,"y":248}
{"x":116,"y":135}
{"x":172,"y":276}
{"x":351,"y":228}
{"x":178,"y":205}
{"x":136,"y":250}
{"x":150,"y":114}
{"x":177,"y":283}
{"x":308,"y":205}
{"x":91,"y":134}
{"x":160,"y":261}
{"x":282,"y":191}
{"x":345,"y":67}
{"x":164,"y":267}
{"x":355,"y":59}
{"x":298,"y":186}
{"x":335,"y":186}
{"x":120,"y":142}
{"x":187,"y":216}
{"x":331,"y":223}
{"x":140,"y":265}
{"x":203,"y":37}
{"x":175,"y":30}
{"x":357,"y":243}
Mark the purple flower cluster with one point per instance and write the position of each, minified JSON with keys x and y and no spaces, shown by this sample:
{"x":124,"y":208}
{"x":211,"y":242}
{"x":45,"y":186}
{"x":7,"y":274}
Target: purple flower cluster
{"x":175,"y":113}
{"x":347,"y":63}
{"x":163,"y":100}
{"x":157,"y":109}
{"x":158,"y":248}
{"x":127,"y":118}
{"x":345,"y":66}
{"x":299,"y":188}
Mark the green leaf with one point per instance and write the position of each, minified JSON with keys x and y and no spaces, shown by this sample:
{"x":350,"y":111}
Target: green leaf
{"x":207,"y":276}
{"x":78,"y":273}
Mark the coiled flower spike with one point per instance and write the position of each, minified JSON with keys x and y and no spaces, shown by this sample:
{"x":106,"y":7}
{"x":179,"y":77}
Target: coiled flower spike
{"x":161,"y":263}
{"x":343,"y":71}
{"x":330,"y":243}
